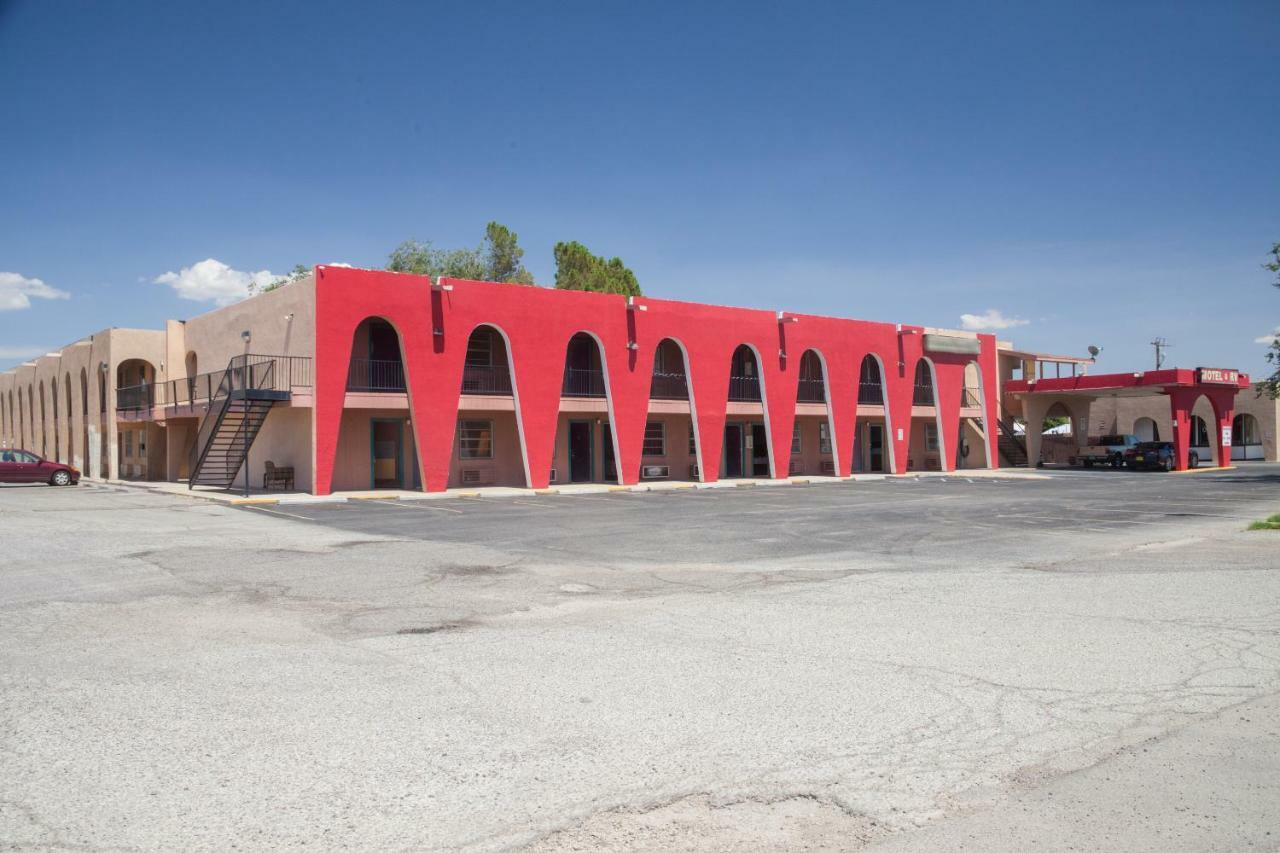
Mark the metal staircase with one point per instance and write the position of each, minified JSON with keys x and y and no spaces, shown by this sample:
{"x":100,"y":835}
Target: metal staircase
{"x":1013,"y":449}
{"x":250,"y":387}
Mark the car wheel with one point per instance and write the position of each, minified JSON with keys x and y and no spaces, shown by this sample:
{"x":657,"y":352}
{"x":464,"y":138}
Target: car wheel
{"x":1088,"y":463}
{"x":1166,"y":465}
{"x":60,"y":478}
{"x":1193,"y":461}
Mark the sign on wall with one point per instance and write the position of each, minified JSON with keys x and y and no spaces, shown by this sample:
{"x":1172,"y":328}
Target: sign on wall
{"x":1217,"y":376}
{"x":1226,"y":436}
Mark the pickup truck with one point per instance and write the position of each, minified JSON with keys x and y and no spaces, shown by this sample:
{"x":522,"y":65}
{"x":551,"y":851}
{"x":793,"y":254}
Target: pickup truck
{"x":1105,"y":450}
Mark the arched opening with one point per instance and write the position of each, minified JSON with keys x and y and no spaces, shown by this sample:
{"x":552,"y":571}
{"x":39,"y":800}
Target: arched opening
{"x":746,"y":450}
{"x":670,"y":450}
{"x":70,"y":425}
{"x":812,"y":450}
{"x":1200,"y":440}
{"x":57,"y":431}
{"x":925,"y":446}
{"x":22,"y":422}
{"x":872,"y":438}
{"x":84,"y":418}
{"x":488,"y":448}
{"x":585,"y":449}
{"x":44,"y":424}
{"x":192,"y":364}
{"x":1058,"y":440}
{"x":375,"y":437}
{"x":973,"y":450}
{"x":104,"y":449}
{"x":135,"y":384}
{"x":1246,"y":438}
{"x":1146,"y":429}
{"x":31,"y":419}
{"x":377,"y":359}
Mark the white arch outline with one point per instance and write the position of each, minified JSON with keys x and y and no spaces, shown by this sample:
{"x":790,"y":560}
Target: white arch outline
{"x":831,"y":415}
{"x":937,"y":413}
{"x":515,"y":396}
{"x":884,"y":400}
{"x":693,"y":406}
{"x":608,"y":399}
{"x":764,"y":402}
{"x":982,"y":404}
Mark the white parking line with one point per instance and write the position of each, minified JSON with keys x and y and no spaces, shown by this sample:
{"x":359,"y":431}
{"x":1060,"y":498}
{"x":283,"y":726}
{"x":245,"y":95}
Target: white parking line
{"x":277,"y":512}
{"x":414,"y":505}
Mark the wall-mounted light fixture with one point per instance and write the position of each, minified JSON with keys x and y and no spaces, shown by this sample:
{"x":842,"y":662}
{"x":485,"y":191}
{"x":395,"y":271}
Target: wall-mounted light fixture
{"x":439,"y":284}
{"x":632,"y":305}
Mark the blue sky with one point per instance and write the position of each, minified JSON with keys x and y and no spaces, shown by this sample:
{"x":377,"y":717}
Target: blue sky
{"x":1103,"y":172}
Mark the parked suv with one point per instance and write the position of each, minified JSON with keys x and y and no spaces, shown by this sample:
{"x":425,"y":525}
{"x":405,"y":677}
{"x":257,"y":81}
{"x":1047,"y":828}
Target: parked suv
{"x":1156,"y":455}
{"x":21,"y":466}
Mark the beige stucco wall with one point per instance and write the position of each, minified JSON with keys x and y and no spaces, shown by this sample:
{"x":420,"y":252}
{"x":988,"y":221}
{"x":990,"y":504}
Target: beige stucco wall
{"x":1119,"y":414}
{"x":64,"y":437}
{"x":281,"y":322}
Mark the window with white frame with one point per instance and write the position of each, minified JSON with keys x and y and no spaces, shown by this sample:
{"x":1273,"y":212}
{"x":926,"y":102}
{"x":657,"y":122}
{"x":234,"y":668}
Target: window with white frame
{"x":824,"y":438}
{"x":475,"y":439}
{"x":931,"y":437}
{"x":795,"y":440}
{"x":655,"y":439}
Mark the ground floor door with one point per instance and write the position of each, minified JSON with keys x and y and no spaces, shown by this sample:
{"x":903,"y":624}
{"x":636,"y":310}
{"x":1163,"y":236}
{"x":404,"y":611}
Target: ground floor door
{"x":580,"y":451}
{"x":733,"y":450}
{"x":875,"y":447}
{"x":386,"y":445}
{"x":759,"y":447}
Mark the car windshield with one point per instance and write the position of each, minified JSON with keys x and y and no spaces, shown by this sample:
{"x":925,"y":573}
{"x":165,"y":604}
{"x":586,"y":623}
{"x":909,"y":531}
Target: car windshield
{"x":1111,"y":439}
{"x":1152,"y":445}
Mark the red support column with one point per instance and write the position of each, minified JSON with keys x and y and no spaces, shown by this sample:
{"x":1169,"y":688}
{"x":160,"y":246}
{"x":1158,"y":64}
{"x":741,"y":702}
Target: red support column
{"x":1223,"y":403}
{"x":1181,"y":401}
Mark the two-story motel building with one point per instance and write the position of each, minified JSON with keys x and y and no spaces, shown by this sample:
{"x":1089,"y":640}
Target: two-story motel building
{"x":362,"y":379}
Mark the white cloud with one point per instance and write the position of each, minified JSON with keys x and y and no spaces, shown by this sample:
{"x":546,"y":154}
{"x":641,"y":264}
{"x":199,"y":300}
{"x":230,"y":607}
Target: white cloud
{"x":16,"y":291}
{"x":214,"y":280}
{"x":991,"y":319}
{"x":22,"y":352}
{"x":1269,"y":339}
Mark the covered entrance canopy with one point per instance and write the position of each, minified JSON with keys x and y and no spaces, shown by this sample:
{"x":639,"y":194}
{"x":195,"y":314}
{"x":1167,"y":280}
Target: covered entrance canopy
{"x":1182,"y":386}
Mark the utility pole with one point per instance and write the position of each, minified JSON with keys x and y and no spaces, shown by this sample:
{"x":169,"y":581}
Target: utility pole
{"x":1161,"y":345}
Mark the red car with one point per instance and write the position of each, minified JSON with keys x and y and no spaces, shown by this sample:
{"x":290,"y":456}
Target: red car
{"x":19,"y":466}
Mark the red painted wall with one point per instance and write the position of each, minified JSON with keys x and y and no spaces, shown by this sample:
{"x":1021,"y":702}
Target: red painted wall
{"x":435,"y":324}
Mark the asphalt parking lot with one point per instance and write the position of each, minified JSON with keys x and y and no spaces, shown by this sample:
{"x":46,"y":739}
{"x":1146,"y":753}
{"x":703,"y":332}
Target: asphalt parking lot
{"x":1085,"y":661}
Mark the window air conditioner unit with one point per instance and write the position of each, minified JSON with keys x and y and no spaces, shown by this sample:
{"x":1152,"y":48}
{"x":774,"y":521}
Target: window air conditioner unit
{"x":471,"y":475}
{"x":655,"y":472}
{"x":693,"y":471}
{"x":553,"y":475}
{"x":794,"y":467}
{"x":829,"y":467}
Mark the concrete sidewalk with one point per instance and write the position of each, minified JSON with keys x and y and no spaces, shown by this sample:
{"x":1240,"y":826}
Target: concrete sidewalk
{"x":267,"y":498}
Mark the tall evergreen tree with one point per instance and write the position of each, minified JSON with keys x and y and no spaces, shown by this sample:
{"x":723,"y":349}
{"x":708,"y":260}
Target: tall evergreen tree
{"x":578,"y":269}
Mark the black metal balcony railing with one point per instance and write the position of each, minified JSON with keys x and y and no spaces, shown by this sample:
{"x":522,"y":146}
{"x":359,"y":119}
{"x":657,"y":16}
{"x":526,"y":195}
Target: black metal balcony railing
{"x":870,"y":394}
{"x":744,"y":389}
{"x":972,"y":399}
{"x":811,"y":391}
{"x":923,"y":395}
{"x":135,"y":397}
{"x":669,"y":386}
{"x":582,"y":383}
{"x":189,"y":392}
{"x":367,"y":374}
{"x":492,"y":380}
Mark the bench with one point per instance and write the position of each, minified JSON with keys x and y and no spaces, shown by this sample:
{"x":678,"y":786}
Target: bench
{"x":277,"y":476}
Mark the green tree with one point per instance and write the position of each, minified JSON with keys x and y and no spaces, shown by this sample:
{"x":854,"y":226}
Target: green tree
{"x":496,"y":259}
{"x":1271,"y":385}
{"x":299,"y":271}
{"x":578,"y":269}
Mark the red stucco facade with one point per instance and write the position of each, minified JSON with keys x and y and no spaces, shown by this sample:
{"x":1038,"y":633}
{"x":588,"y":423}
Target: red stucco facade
{"x":435,"y":321}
